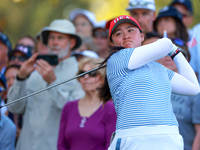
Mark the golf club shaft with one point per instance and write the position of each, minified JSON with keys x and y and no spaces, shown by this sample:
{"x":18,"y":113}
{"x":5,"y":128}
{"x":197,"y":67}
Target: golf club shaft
{"x":47,"y":88}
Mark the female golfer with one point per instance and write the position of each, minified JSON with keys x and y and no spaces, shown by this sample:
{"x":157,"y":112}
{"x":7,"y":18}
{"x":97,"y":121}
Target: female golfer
{"x":141,"y":89}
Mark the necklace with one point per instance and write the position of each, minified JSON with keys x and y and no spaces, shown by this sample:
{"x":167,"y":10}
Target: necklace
{"x":83,"y":121}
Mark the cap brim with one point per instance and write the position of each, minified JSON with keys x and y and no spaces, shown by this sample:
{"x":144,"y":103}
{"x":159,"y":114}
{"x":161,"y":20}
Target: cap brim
{"x":77,"y":12}
{"x":149,"y":7}
{"x":6,"y":42}
{"x":124,"y":21}
{"x":74,"y":13}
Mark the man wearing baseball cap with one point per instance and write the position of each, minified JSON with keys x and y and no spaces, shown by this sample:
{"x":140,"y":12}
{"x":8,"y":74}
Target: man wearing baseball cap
{"x":42,"y":111}
{"x":144,"y":11}
{"x":5,"y":47}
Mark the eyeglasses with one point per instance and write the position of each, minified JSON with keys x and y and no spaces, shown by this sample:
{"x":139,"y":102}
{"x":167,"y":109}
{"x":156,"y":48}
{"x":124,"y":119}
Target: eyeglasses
{"x":91,"y":74}
{"x":101,"y":34}
{"x":20,"y":58}
{"x":59,"y":38}
{"x":133,"y":3}
{"x":178,"y":42}
{"x":186,"y":15}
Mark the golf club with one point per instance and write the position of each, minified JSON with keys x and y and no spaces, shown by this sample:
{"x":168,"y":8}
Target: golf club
{"x":19,"y":99}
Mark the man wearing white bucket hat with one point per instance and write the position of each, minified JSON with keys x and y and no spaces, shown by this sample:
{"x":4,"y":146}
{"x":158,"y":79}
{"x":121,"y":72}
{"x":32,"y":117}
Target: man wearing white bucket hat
{"x":42,"y":111}
{"x":144,"y":11}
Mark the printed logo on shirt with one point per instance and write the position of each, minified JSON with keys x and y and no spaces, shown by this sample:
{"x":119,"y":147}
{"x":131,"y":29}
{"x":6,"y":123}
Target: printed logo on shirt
{"x":192,"y":43}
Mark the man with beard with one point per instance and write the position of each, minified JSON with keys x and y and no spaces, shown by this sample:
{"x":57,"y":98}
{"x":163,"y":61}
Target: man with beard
{"x":42,"y":111}
{"x":144,"y":11}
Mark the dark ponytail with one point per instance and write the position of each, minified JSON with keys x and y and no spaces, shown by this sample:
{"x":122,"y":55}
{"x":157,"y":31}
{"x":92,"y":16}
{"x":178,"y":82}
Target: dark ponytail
{"x":104,"y":91}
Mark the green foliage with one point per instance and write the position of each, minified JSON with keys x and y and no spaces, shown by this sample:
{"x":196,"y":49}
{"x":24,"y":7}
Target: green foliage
{"x":22,"y":17}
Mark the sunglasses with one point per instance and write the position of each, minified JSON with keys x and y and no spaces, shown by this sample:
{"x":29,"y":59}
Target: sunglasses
{"x":101,"y":34}
{"x":20,"y":58}
{"x":187,"y":15}
{"x":91,"y":74}
{"x":139,"y":3}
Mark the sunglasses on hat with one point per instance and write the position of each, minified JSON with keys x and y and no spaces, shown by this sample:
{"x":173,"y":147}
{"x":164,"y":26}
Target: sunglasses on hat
{"x":136,"y":3}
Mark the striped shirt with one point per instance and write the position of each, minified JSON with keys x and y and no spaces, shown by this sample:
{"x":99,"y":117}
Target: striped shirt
{"x":141,"y":96}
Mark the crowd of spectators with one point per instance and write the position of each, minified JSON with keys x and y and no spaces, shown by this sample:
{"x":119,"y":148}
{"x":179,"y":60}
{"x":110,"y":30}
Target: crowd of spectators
{"x":71,"y":116}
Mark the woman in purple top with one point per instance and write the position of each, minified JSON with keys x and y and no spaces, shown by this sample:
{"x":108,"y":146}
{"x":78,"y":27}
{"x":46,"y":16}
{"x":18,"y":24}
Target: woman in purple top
{"x":86,"y":124}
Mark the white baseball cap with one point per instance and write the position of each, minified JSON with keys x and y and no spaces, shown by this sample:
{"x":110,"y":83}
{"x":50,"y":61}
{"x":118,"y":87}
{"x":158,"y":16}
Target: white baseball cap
{"x":87,"y":53}
{"x":89,"y":15}
{"x":100,"y":24}
{"x":141,"y":4}
{"x":62,"y":26}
